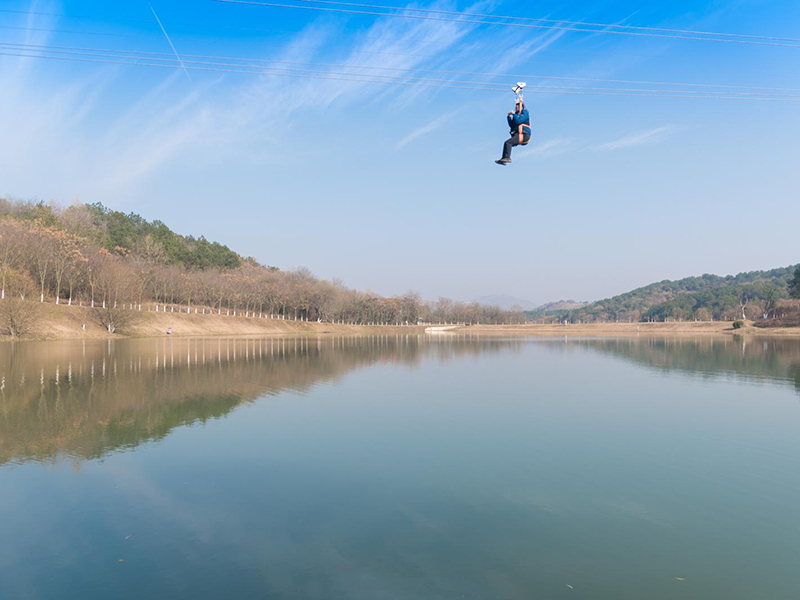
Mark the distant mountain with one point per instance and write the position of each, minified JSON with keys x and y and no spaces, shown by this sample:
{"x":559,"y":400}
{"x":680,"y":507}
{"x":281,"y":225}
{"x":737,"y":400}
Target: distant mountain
{"x":505,"y":302}
{"x":561,"y":305}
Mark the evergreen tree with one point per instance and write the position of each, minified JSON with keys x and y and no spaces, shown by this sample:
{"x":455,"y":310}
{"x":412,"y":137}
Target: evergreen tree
{"x":794,"y":284}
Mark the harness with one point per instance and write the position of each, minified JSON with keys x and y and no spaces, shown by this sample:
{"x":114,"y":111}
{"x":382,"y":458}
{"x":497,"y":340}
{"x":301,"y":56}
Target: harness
{"x":520,"y":100}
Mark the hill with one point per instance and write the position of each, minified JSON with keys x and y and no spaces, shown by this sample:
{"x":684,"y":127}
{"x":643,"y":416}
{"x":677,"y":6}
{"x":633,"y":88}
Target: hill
{"x":752,"y":294}
{"x":107,"y":260}
{"x":557,"y":307}
{"x":505,"y":302}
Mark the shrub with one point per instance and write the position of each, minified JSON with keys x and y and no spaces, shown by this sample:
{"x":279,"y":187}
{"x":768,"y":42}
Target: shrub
{"x":18,"y":317}
{"x":115,"y":319}
{"x":738,"y":324}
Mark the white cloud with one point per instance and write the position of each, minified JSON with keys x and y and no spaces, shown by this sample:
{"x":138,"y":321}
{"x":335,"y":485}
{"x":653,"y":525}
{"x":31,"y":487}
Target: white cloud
{"x":549,"y":148}
{"x":424,"y":130}
{"x":633,"y":140}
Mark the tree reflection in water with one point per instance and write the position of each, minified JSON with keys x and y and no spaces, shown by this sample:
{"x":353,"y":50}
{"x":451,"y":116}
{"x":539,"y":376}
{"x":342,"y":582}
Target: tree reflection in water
{"x":88,"y":398}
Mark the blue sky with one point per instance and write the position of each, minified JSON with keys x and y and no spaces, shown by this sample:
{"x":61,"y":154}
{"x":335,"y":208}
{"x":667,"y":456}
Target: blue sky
{"x":394,"y":188}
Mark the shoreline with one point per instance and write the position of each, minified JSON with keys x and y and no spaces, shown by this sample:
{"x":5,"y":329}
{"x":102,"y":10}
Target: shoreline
{"x":61,"y":322}
{"x":622,"y":330}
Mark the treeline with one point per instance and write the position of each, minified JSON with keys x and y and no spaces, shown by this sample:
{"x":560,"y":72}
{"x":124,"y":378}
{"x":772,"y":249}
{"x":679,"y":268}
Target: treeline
{"x":97,"y":257}
{"x":751,"y":295}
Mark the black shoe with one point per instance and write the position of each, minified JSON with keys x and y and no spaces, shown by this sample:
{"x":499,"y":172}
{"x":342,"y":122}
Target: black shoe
{"x":503,"y":161}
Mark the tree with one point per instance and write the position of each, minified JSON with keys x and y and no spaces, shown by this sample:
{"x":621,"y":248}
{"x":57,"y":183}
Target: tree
{"x":11,"y":245}
{"x":794,"y":284}
{"x":17,"y":315}
{"x":768,"y":299}
{"x":744,"y":299}
{"x":702,"y":314}
{"x":65,"y":253}
{"x":74,"y":273}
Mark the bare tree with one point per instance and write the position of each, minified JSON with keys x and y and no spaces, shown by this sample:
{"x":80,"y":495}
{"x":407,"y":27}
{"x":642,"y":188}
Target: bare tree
{"x":18,"y":316}
{"x":11,"y":246}
{"x":116,"y":283}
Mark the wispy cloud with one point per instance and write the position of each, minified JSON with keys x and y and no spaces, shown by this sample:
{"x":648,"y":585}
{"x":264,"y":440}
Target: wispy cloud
{"x":633,"y":140}
{"x":549,"y":148}
{"x":424,"y":130}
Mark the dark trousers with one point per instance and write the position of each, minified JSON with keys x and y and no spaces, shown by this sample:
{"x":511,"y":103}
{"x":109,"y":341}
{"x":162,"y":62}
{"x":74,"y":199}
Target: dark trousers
{"x":514,"y":141}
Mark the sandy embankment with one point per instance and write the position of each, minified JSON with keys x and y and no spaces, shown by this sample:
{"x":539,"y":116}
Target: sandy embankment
{"x":61,"y":322}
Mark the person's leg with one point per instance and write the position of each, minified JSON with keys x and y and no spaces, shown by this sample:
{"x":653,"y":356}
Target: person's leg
{"x":510,"y":143}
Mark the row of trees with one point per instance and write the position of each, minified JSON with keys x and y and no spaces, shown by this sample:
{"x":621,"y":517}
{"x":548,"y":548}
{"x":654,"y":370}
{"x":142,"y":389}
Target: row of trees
{"x":58,"y":255}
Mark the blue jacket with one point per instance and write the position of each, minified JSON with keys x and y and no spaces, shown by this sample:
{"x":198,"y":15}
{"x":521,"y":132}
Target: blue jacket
{"x":517,"y":119}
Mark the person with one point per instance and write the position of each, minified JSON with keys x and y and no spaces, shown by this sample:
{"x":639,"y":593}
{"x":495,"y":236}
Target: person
{"x":519,"y":121}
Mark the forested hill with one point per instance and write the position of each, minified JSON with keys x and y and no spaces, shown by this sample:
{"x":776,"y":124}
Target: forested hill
{"x":703,"y":298}
{"x":126,"y":234}
{"x":93,"y":256}
{"x":130,"y":232}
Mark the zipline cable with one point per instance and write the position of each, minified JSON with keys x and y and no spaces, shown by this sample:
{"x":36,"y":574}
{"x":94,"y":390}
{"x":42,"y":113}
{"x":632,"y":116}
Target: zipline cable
{"x":63,"y":31}
{"x":553,"y":21}
{"x":175,"y":24}
{"x":148,"y":54}
{"x":467,"y":21}
{"x":386,"y":80}
{"x":437,"y":12}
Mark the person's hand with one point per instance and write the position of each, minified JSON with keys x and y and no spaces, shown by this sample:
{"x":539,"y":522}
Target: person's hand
{"x":511,"y":112}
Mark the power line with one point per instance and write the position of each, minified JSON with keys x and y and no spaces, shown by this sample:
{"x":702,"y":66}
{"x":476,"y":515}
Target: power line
{"x":554,"y":21}
{"x":514,"y":76}
{"x":63,"y":31}
{"x":254,"y":29}
{"x":468,"y":21}
{"x":387,"y":80}
{"x":430,"y":11}
{"x":176,"y":24}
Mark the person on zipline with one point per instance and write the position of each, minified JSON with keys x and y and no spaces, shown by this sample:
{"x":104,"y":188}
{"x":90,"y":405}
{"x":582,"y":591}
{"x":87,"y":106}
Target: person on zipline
{"x":519,"y":121}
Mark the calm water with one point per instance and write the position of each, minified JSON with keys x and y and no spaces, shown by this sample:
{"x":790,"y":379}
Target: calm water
{"x":400,"y":468}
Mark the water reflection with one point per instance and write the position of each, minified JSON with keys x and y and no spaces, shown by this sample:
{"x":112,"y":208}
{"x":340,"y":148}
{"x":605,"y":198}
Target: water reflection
{"x":447,"y":467}
{"x":85,"y":399}
{"x":759,"y":359}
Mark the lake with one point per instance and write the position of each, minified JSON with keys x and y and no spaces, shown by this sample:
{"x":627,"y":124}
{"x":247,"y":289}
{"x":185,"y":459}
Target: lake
{"x":400,"y":467}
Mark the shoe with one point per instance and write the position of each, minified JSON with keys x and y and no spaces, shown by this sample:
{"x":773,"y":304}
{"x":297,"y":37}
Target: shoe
{"x":503,"y":161}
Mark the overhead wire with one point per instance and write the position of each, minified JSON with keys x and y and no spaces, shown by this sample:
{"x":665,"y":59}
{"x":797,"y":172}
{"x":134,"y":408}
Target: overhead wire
{"x":171,"y":63}
{"x":516,"y":76}
{"x":44,"y":30}
{"x":176,"y":24}
{"x":554,"y":21}
{"x":473,"y":21}
{"x":183,"y":38}
{"x":438,"y":12}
